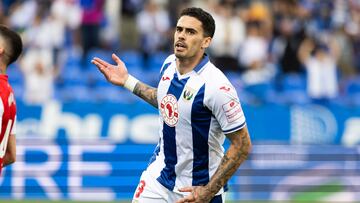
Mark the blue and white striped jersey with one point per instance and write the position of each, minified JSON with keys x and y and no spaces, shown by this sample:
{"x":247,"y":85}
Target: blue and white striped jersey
{"x":196,"y":110}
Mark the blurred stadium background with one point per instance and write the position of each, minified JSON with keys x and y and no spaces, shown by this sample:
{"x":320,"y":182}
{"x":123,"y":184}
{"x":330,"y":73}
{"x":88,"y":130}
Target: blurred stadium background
{"x":295,"y":65}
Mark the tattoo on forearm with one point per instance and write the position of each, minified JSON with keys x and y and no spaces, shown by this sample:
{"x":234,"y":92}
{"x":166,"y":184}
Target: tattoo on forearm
{"x":147,"y":93}
{"x":233,"y":158}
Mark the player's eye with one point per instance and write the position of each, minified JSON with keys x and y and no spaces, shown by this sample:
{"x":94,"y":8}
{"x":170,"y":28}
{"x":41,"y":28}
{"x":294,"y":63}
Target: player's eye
{"x":178,"y":29}
{"x":190,"y":32}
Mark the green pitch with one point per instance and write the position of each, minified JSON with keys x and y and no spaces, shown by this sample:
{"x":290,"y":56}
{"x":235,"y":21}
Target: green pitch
{"x":46,"y":201}
{"x":129,"y":201}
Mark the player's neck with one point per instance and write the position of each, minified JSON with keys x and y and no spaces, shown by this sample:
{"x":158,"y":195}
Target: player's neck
{"x":188,"y":64}
{"x":2,"y":69}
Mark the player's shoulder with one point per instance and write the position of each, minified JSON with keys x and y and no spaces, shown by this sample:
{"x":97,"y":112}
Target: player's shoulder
{"x":216,"y":83}
{"x":213,"y":76}
{"x":169,"y":59}
{"x":167,"y":62}
{"x":5,"y":87}
{"x":6,"y":92}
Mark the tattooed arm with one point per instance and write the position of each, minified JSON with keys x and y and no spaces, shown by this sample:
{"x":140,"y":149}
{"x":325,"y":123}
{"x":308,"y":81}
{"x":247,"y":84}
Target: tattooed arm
{"x":236,"y":154}
{"x":118,"y":75}
{"x":147,"y":93}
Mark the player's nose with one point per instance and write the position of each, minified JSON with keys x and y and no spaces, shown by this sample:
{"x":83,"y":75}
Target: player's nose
{"x":181,"y":35}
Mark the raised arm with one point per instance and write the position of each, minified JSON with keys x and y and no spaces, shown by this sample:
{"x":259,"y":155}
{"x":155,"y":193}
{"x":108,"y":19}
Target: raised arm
{"x":305,"y":49}
{"x":236,"y":154}
{"x":118,"y":75}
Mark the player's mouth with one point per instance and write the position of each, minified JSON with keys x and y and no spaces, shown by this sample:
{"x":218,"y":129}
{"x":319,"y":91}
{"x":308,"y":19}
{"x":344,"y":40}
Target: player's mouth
{"x":180,"y":46}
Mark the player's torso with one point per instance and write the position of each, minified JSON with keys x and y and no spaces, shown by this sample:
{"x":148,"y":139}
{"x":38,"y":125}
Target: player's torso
{"x":182,"y":106}
{"x":176,"y":97}
{"x":7,"y":112}
{"x":187,"y":130}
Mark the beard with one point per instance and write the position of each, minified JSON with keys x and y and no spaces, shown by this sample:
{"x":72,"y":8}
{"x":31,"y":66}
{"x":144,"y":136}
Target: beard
{"x":180,"y":55}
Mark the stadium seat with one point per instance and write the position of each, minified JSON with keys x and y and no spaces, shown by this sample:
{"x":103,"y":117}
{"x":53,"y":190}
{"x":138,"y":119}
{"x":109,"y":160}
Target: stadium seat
{"x":293,"y":82}
{"x":259,"y":92}
{"x":132,"y":59}
{"x":292,"y":89}
{"x":353,"y":86}
{"x":79,"y":93}
{"x":72,"y":57}
{"x":100,"y":53}
{"x":156,"y":60}
{"x":112,"y":94}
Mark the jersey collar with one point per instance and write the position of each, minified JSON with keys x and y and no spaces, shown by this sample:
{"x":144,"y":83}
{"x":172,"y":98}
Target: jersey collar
{"x":198,"y":68}
{"x":4,"y":77}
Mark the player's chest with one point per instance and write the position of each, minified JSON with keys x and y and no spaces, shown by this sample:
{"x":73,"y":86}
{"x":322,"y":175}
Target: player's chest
{"x":177,"y":97}
{"x":8,"y":105}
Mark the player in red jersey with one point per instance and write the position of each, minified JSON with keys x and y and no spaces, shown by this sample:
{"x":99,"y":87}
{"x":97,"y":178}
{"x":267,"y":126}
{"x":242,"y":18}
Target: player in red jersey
{"x":10,"y":49}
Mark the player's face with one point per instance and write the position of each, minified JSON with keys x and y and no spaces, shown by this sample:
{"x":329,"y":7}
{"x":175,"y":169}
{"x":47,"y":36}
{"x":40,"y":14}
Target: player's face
{"x":189,"y":40}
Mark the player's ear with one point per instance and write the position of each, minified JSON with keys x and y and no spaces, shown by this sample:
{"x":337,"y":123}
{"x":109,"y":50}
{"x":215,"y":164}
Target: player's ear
{"x":206,"y":42}
{"x":2,"y":50}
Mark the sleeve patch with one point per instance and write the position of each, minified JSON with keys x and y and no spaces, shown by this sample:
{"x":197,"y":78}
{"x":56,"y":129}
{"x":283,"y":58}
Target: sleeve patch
{"x":232,"y":110}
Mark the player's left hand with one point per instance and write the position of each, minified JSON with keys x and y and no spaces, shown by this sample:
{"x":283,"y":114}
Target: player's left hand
{"x":197,"y":194}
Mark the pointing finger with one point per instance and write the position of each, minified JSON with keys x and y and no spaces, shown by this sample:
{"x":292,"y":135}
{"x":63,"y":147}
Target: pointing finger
{"x":100,"y":66}
{"x":102,"y":62}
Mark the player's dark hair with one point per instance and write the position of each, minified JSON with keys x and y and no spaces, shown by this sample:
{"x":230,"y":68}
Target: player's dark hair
{"x":207,"y":21}
{"x":13,"y":44}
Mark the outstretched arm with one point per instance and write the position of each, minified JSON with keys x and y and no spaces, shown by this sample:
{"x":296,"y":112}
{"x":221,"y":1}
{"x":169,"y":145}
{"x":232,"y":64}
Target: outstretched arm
{"x":147,"y":93}
{"x":118,"y":75}
{"x":236,"y":154}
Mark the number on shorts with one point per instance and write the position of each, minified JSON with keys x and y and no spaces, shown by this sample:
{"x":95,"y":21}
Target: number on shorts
{"x":140,"y":188}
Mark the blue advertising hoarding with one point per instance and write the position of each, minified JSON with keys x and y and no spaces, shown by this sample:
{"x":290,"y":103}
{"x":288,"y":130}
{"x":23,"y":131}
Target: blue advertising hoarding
{"x":92,"y":151}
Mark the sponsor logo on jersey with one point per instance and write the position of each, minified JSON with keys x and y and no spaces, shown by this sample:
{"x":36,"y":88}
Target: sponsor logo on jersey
{"x":225,"y":88}
{"x":232,"y":110}
{"x":165,"y":78}
{"x":169,"y":110}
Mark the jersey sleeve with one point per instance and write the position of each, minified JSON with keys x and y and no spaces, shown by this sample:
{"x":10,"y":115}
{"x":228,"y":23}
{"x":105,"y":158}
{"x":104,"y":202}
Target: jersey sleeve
{"x":226,"y":107}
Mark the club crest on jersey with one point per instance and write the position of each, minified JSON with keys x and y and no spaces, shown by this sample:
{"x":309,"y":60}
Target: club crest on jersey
{"x":169,"y":110}
{"x":188,"y":93}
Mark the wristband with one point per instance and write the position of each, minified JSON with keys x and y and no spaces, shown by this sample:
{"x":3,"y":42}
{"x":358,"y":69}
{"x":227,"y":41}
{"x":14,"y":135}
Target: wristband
{"x":130,"y":83}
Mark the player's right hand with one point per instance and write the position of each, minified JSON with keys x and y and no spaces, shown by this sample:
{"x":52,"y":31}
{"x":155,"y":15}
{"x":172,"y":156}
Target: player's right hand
{"x":116,"y":74}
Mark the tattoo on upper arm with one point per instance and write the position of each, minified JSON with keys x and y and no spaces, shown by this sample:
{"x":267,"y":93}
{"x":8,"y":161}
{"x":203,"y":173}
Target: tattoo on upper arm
{"x":149,"y":94}
{"x":243,"y":143}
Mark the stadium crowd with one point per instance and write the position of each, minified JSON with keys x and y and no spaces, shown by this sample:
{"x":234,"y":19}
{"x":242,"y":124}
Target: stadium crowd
{"x":278,"y":51}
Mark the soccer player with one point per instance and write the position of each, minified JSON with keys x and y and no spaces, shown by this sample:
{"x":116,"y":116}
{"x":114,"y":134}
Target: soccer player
{"x":10,"y":50}
{"x":199,"y":108}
